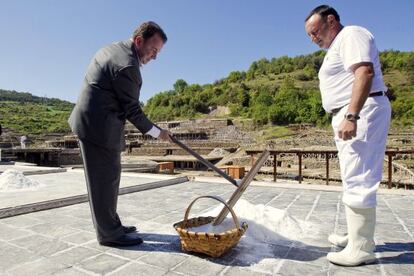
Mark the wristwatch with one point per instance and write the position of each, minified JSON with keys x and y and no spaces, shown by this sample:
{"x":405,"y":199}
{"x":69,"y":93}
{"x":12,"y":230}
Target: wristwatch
{"x":353,"y":117}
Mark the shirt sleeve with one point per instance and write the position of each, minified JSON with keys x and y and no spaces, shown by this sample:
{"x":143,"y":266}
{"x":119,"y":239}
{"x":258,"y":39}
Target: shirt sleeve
{"x":154,"y":132}
{"x":356,"y":47}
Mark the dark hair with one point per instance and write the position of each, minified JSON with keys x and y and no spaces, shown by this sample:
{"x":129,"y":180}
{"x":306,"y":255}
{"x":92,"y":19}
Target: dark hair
{"x":324,"y":11}
{"x":148,"y":29}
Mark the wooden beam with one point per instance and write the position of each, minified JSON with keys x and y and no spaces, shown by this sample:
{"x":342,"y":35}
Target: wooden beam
{"x":67,"y":201}
{"x":300,"y":167}
{"x":327,"y":168}
{"x":389,"y":170}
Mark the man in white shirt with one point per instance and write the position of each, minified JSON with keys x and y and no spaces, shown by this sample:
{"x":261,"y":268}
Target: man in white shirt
{"x":353,"y":90}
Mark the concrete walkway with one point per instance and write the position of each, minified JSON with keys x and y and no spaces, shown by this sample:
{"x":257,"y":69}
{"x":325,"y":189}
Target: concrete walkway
{"x":29,"y":168}
{"x":62,"y":241}
{"x":65,"y":184}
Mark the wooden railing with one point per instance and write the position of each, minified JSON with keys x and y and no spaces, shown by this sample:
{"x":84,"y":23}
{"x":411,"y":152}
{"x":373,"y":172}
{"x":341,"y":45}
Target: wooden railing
{"x":328,"y":154}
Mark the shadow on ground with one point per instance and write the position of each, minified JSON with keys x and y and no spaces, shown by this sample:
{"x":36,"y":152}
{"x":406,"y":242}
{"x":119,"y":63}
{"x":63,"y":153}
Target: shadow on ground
{"x":251,"y":249}
{"x":247,"y":253}
{"x":407,"y":257}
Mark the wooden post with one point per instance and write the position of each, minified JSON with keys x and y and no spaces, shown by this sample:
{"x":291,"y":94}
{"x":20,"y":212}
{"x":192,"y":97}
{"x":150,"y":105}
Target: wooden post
{"x":300,"y":166}
{"x":389,"y":170}
{"x":327,"y":168}
{"x":274,"y":167}
{"x":42,"y":158}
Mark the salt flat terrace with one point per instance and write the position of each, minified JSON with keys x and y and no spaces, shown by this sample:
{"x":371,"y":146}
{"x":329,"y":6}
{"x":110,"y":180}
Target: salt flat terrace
{"x":61,"y":241}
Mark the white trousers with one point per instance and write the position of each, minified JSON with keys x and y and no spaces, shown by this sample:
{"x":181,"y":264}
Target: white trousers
{"x":361,"y":158}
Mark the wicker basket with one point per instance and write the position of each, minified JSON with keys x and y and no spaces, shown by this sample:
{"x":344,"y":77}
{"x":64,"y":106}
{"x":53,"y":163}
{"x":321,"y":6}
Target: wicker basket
{"x":211,"y":244}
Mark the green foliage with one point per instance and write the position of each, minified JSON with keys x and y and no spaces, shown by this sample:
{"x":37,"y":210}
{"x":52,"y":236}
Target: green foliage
{"x":403,"y":110}
{"x":30,"y":114}
{"x":392,"y":59}
{"x":180,"y":85}
{"x":410,"y":68}
{"x":279,"y":91}
{"x":260,"y":114}
{"x":273,"y":132}
{"x":34,"y":118}
{"x":236,"y":76}
{"x":23,"y":97}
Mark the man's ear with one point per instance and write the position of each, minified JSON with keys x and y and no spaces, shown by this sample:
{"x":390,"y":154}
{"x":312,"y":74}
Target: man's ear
{"x":138,"y":41}
{"x":331,"y":20}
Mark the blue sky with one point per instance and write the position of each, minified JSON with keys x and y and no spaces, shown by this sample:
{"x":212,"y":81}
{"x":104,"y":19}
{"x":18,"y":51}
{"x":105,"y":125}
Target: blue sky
{"x":47,"y":44}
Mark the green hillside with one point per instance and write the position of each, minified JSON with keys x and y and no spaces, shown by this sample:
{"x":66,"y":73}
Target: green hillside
{"x":278,"y":91}
{"x":28,"y":114}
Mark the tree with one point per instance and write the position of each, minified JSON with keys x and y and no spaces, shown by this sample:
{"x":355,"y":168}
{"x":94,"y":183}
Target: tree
{"x":310,"y":72}
{"x":410,"y":68}
{"x":236,"y":76}
{"x":259,"y":114}
{"x":180,"y":85}
{"x":264,"y":98}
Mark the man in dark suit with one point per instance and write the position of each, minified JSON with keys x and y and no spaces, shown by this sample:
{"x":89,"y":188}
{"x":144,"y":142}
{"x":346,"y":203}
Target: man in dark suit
{"x":109,"y":97}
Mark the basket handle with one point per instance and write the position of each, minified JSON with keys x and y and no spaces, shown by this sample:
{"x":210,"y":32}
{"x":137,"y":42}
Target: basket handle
{"x":187,"y":212}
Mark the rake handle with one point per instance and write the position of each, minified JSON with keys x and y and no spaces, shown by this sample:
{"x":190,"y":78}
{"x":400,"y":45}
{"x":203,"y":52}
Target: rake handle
{"x":204,"y":161}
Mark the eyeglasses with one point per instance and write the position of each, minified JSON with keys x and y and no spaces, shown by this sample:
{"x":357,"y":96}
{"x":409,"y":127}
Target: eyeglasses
{"x":316,"y":32}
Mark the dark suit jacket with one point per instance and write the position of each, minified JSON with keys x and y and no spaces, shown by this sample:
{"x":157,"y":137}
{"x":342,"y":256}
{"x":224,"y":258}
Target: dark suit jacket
{"x":109,"y":96}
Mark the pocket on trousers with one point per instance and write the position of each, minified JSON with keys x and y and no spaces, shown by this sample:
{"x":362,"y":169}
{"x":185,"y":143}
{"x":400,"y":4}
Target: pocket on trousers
{"x":361,"y":133}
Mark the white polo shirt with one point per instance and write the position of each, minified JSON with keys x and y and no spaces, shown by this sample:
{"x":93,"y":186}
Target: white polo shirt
{"x":352,"y":45}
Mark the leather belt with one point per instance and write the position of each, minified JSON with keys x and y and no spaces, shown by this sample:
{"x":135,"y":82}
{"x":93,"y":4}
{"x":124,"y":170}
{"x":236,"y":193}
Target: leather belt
{"x":379,"y":93}
{"x":336,"y":110}
{"x":373,"y":94}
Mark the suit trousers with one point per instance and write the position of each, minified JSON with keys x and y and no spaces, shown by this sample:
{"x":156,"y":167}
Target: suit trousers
{"x":102,"y":168}
{"x":361,"y":158}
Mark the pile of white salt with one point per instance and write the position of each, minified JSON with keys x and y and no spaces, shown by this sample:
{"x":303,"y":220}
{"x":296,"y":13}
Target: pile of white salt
{"x":13,"y":180}
{"x":266,"y":224}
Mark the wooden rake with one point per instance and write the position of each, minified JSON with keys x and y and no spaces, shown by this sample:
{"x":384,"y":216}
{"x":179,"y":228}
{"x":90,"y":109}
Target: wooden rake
{"x":240,"y":187}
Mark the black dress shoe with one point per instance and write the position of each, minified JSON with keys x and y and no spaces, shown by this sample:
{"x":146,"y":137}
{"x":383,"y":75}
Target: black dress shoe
{"x":124,"y":240}
{"x":129,"y":229}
